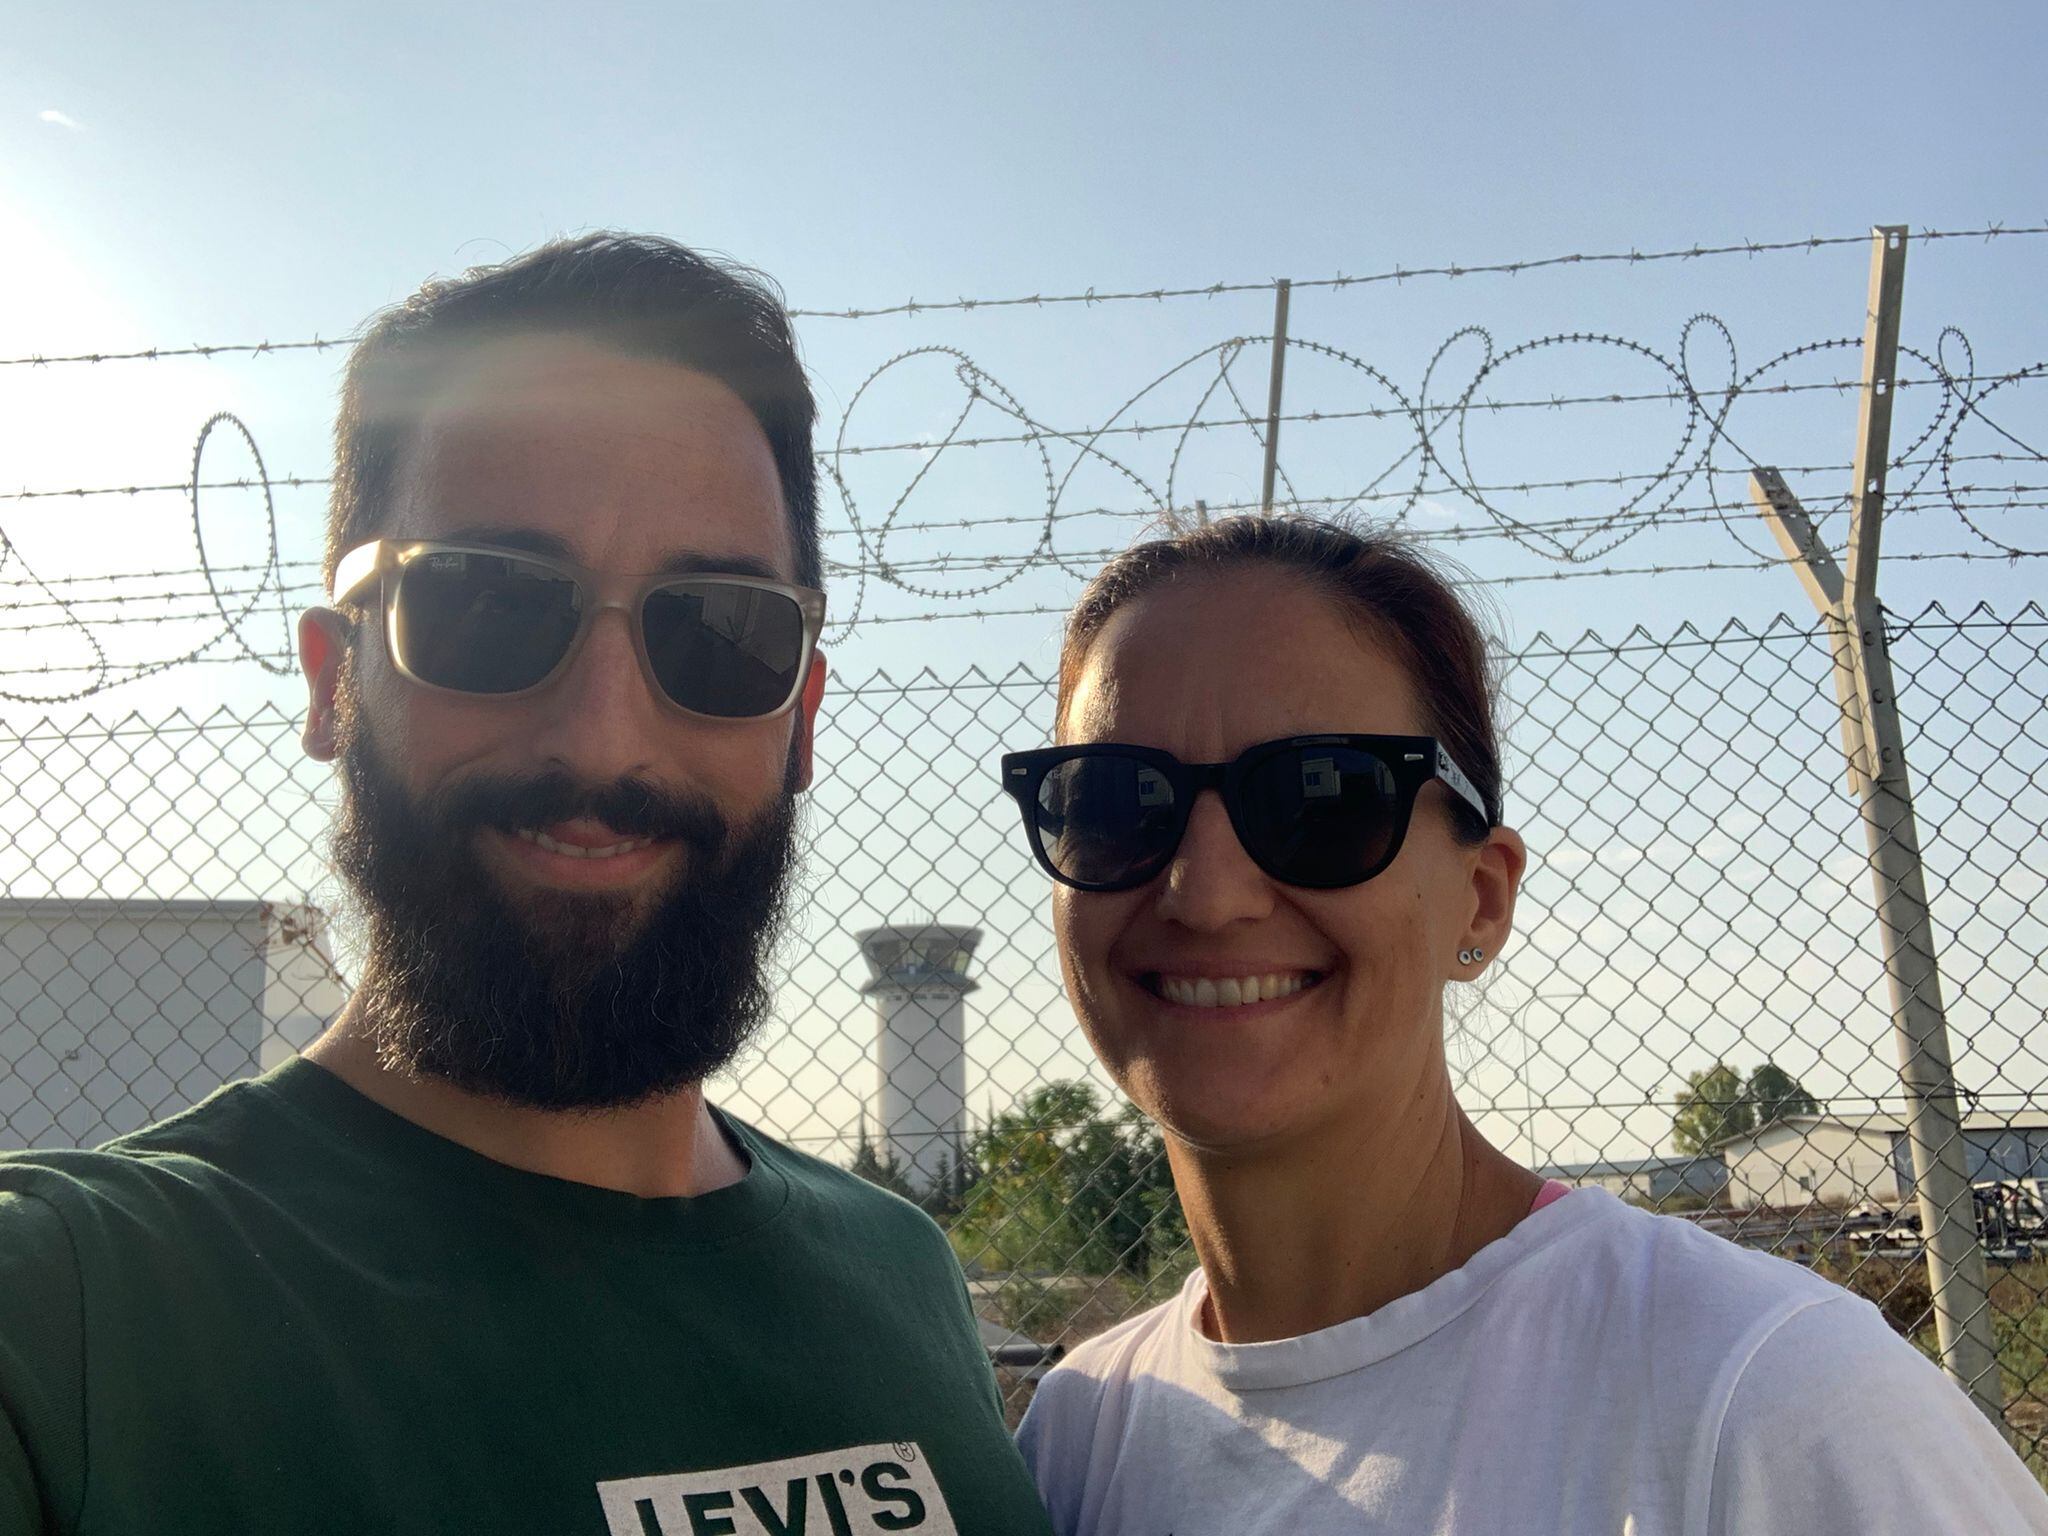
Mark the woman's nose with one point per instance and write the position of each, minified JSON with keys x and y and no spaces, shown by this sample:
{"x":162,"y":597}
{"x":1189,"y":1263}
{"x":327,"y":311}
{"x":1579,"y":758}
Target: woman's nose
{"x":1212,"y":882}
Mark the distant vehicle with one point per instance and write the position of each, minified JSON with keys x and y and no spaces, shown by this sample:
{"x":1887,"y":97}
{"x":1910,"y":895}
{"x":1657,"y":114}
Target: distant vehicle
{"x":2012,"y":1221}
{"x":2009,"y":1217}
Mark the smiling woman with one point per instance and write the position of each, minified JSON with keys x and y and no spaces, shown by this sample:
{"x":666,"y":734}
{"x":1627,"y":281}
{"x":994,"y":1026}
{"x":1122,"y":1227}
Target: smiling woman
{"x":1275,"y":824}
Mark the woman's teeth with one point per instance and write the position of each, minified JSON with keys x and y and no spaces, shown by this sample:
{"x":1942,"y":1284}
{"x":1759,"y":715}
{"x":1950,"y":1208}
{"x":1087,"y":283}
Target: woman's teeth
{"x":1230,"y":991}
{"x":577,"y":851}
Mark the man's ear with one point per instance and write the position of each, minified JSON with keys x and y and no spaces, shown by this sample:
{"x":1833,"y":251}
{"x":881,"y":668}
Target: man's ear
{"x":807,"y":718}
{"x":323,"y":643}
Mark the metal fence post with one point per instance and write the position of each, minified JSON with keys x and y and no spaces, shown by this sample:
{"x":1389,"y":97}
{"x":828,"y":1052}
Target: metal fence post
{"x":1874,"y":743}
{"x":1281,"y":291}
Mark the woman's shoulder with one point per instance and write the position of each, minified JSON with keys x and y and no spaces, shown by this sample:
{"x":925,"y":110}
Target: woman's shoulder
{"x":1077,"y":1415}
{"x":1776,"y":1398}
{"x":1127,"y":1347}
{"x":1832,"y":1421}
{"x":1672,"y":1268}
{"x":1095,"y":1372}
{"x":1637,"y":1296}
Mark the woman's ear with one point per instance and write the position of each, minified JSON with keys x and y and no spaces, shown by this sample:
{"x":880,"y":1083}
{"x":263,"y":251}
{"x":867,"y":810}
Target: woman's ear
{"x":323,"y":643}
{"x":1497,"y":870}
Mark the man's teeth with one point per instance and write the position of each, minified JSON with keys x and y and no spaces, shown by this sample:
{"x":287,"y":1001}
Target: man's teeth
{"x":1230,"y":991}
{"x":577,"y":851}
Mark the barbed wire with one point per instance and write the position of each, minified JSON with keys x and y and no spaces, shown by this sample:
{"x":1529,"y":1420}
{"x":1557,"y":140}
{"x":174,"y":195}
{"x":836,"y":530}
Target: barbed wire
{"x":1093,"y":296}
{"x":1504,"y":487}
{"x":1432,"y":460}
{"x":230,"y":622}
{"x":2018,"y":496}
{"x":1732,"y":631}
{"x":1391,"y":413}
{"x":1401,"y":274}
{"x":1440,"y":422}
{"x":283,"y":661}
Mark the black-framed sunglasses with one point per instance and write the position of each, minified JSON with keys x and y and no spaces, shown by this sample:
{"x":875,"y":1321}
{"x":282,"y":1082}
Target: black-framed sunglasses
{"x":1315,"y":811}
{"x":474,"y":619}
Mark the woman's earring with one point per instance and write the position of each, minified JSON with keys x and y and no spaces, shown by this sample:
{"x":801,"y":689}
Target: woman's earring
{"x":1471,"y":956}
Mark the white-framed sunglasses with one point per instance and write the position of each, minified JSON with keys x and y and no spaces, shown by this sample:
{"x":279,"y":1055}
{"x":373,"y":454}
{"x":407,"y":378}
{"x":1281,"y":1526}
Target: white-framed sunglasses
{"x":484,"y":620}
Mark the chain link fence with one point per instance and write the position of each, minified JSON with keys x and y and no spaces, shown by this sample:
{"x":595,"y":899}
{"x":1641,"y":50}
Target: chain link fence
{"x":1692,"y":1013}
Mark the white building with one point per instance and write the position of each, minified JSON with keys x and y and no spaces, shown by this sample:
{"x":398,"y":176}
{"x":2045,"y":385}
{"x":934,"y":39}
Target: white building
{"x":1852,"y":1159}
{"x":115,"y":1014}
{"x":918,"y":979}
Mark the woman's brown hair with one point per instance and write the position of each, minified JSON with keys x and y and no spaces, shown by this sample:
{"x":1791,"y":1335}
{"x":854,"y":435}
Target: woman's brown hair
{"x":1394,"y":593}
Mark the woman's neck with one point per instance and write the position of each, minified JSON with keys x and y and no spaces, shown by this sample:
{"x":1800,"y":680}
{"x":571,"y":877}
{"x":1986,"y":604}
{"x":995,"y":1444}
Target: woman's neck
{"x":1302,"y":1237}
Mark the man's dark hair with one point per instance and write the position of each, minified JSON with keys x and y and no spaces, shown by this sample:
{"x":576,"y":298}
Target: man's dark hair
{"x":640,"y":295}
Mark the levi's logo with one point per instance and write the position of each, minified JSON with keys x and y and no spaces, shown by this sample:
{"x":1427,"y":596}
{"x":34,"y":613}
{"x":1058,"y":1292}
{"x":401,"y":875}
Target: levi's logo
{"x":864,"y":1491}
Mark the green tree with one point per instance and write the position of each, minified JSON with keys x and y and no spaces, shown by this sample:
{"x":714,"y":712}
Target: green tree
{"x":942,"y":1200}
{"x":880,"y":1171}
{"x":1064,"y":1185}
{"x":1124,"y":1197}
{"x":1714,"y":1106}
{"x":1718,"y":1103}
{"x":1775,"y":1092}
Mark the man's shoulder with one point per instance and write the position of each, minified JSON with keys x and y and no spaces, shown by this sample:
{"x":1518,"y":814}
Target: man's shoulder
{"x":836,"y":1195}
{"x":66,"y":1215}
{"x":134,"y":1182}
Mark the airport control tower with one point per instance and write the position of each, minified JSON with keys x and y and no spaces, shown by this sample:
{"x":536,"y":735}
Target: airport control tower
{"x":918,"y":979}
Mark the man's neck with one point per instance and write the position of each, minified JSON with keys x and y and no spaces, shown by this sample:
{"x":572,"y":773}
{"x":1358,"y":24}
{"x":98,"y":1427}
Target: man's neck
{"x":664,"y":1147}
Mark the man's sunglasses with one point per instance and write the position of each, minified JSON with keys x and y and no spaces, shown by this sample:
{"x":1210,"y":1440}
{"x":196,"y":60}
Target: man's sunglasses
{"x":469,"y":618}
{"x":1315,"y":811}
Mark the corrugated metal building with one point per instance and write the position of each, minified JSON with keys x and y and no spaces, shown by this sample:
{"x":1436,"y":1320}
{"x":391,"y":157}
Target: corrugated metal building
{"x":1853,"y":1159}
{"x":116,"y":1013}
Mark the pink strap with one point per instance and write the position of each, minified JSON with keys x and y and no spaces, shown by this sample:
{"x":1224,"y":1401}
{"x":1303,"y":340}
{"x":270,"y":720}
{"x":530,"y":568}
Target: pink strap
{"x":1552,"y":1188}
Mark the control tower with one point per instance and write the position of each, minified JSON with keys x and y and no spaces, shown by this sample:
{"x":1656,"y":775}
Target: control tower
{"x":918,"y":978}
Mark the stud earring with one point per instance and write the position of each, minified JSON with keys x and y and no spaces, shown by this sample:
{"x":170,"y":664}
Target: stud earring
{"x":1464,"y":957}
{"x":1478,"y":955}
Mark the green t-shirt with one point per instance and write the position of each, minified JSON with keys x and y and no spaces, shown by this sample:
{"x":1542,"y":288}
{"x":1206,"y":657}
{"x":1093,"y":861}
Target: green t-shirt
{"x":291,"y":1310}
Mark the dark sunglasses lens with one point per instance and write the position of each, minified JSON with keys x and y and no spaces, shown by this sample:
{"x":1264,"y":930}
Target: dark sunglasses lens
{"x":1107,"y":820}
{"x":1320,"y":816}
{"x":483,"y":623}
{"x":722,"y":649}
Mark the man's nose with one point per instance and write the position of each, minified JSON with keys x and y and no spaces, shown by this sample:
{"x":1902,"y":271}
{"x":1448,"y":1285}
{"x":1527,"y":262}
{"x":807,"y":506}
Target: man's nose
{"x":1212,"y":882}
{"x":599,"y":720}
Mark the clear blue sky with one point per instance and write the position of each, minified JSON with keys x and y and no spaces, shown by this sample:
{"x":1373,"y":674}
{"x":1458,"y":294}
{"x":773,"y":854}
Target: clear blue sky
{"x":252,"y":167}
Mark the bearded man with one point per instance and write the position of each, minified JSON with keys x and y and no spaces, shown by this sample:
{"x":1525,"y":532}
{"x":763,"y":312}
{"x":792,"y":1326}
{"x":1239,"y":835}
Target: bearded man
{"x":484,"y":1259}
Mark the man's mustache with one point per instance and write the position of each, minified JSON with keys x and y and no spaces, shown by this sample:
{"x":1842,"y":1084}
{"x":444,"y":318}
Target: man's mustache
{"x":632,"y":807}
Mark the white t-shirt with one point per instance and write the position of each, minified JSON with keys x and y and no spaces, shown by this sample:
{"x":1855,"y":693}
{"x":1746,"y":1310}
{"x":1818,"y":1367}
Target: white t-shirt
{"x":1598,"y":1370}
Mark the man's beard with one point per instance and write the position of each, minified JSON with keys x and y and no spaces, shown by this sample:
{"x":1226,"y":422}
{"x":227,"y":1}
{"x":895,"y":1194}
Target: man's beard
{"x":557,"y":1000}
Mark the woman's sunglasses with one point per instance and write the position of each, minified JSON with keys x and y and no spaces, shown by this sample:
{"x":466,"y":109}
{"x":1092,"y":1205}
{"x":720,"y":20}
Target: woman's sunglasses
{"x":1315,"y":811}
{"x":473,"y":619}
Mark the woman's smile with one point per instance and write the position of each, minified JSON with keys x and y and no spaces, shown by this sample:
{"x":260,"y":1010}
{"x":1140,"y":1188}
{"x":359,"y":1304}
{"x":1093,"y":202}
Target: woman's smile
{"x":1236,"y":990}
